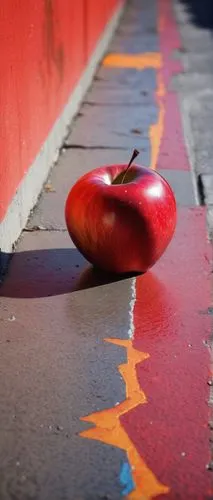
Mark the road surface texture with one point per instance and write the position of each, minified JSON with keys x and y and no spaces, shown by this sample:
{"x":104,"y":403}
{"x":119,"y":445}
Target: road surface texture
{"x":105,"y":382}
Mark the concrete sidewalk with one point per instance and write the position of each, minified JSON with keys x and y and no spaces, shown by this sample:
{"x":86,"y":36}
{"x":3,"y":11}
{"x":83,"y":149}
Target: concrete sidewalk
{"x":104,"y":381}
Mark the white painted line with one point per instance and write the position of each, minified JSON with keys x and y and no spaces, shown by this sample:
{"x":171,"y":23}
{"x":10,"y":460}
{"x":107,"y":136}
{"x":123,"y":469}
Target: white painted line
{"x":131,"y":329}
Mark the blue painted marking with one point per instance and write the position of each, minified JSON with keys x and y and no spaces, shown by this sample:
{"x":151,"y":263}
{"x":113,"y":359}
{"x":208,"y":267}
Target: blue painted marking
{"x":126,"y":479}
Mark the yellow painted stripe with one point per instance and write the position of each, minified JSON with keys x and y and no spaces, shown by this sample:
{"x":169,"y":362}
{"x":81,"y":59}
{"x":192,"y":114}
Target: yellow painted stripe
{"x":141,"y":62}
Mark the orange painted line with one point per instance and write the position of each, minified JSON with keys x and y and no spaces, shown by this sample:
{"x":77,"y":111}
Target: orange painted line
{"x":141,"y":62}
{"x":109,"y":430}
{"x":156,"y":130}
{"x":137,"y":61}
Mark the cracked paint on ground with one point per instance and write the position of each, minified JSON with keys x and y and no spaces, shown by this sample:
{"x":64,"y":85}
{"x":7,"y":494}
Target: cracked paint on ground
{"x":109,"y":430}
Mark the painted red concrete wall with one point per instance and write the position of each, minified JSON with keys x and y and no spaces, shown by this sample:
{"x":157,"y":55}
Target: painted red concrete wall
{"x":44,"y":48}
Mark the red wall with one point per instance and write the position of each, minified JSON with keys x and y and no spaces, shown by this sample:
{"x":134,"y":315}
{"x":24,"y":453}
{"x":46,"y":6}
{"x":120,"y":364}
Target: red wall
{"x":44,"y":47}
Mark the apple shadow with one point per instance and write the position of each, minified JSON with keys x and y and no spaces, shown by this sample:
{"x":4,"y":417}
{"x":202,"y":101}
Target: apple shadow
{"x":51,"y":272}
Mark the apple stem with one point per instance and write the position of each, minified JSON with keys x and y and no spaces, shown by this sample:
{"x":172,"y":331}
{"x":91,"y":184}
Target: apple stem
{"x":134,"y":155}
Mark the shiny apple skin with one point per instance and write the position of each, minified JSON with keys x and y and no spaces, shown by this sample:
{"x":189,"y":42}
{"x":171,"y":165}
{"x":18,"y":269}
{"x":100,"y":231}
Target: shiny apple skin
{"x":121,"y":228}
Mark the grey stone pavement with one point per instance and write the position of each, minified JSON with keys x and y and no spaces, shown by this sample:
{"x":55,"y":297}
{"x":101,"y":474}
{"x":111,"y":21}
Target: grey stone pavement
{"x":54,"y":311}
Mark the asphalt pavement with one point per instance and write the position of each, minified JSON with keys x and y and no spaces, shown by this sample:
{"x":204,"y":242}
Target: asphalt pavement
{"x":105,"y":381}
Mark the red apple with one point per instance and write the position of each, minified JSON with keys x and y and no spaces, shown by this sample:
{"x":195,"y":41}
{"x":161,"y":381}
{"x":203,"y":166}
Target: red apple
{"x":120,"y":218}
